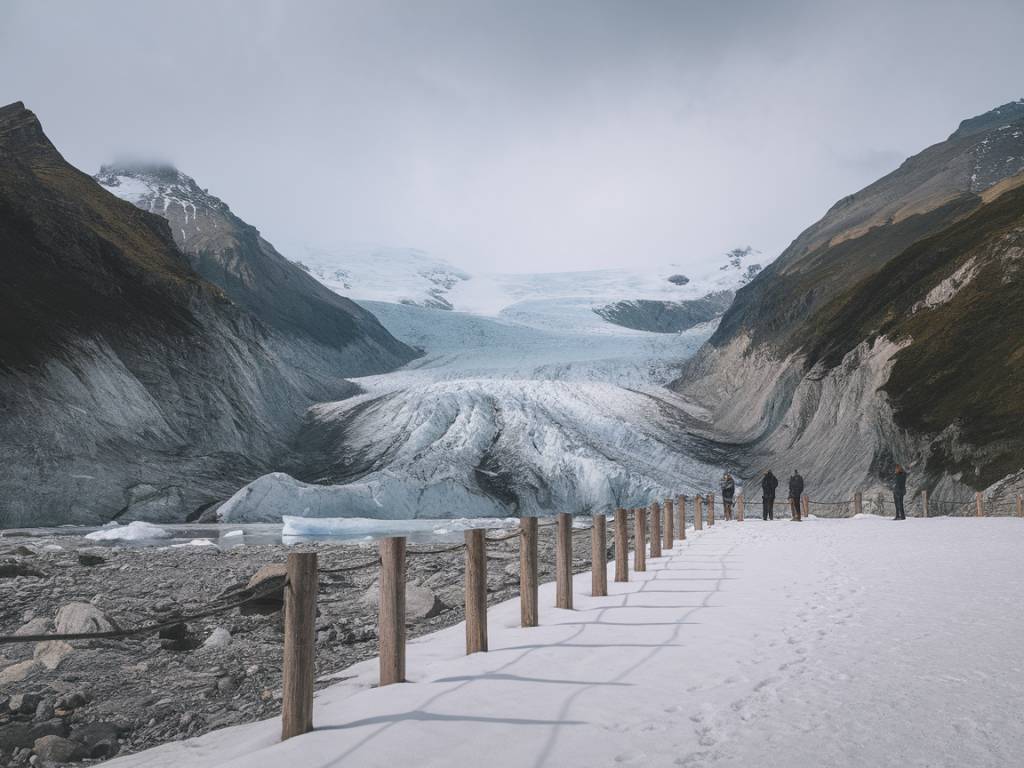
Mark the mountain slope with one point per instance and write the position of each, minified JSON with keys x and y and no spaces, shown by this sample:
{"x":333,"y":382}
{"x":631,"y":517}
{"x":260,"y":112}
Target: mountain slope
{"x":231,"y":254}
{"x":890,"y":331}
{"x":129,"y":386}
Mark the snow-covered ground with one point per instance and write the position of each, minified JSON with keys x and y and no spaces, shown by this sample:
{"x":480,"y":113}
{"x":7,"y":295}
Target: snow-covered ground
{"x":840,"y":643}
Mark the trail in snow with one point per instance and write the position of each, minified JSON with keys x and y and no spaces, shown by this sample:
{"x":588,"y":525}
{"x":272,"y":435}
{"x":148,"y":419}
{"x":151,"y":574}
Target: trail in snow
{"x":830,"y":642}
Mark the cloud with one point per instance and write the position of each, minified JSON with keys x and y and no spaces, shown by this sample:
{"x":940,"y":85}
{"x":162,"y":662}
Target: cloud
{"x":514,"y":136}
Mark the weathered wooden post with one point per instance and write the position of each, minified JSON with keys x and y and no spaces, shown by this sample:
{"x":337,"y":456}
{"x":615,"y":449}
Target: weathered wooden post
{"x":476,"y":591}
{"x":858,"y":503}
{"x":739,"y":508}
{"x":1020,"y":505}
{"x":563,"y":561}
{"x":621,"y":545}
{"x":979,"y":504}
{"x":681,"y":508}
{"x":598,"y":558}
{"x":299,"y":636}
{"x":391,"y":610}
{"x":698,"y":512}
{"x":805,"y":504}
{"x":640,"y":539}
{"x":528,"y":608}
{"x":711,"y":509}
{"x":655,"y":514}
{"x":924,"y":503}
{"x":668,"y":529}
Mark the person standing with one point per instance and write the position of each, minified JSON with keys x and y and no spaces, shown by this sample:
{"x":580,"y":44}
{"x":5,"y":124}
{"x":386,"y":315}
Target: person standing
{"x":768,"y":485}
{"x":728,"y":491}
{"x":899,"y":490}
{"x":796,"y":490}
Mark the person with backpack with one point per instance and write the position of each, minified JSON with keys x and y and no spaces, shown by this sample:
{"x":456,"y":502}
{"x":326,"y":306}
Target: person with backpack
{"x":796,"y":490}
{"x":768,"y":485}
{"x":728,"y":491}
{"x":899,"y":490}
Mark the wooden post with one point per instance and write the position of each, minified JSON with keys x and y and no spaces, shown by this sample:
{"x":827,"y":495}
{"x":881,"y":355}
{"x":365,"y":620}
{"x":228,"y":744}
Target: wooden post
{"x":598,"y":557}
{"x":640,"y":539}
{"x":655,"y":514}
{"x":668,"y":529}
{"x":979,"y":504}
{"x":391,"y":611}
{"x":621,"y":545}
{"x":476,"y":591}
{"x":681,"y":509}
{"x":739,"y":507}
{"x":563,"y":561}
{"x":528,"y":571}
{"x":299,"y":635}
{"x":711,"y":509}
{"x":924,"y":503}
{"x":858,"y":503}
{"x":1020,"y":505}
{"x":698,"y":512}
{"x":805,"y":503}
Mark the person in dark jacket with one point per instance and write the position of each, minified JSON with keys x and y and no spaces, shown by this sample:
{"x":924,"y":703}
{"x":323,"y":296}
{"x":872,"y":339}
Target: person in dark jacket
{"x":899,"y":490}
{"x":728,"y":491}
{"x":796,"y":490}
{"x":768,"y":485}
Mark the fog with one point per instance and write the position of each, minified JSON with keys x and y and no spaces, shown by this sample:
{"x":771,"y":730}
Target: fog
{"x":515,"y":136}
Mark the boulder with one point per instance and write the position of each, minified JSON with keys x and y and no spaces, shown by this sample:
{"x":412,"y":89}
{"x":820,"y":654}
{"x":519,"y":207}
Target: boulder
{"x":268,"y":580}
{"x":420,"y":602}
{"x":74,"y":618}
{"x":91,"y":557}
{"x":15,"y":673}
{"x":25,"y":703}
{"x":51,"y":653}
{"x":99,"y":740}
{"x":57,"y":749}
{"x":37,"y":626}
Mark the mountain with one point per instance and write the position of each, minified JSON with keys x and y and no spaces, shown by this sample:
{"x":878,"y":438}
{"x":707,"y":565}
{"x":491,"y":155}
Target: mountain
{"x":666,"y":316}
{"x":889,"y":331}
{"x":231,"y":254}
{"x":130,"y":386}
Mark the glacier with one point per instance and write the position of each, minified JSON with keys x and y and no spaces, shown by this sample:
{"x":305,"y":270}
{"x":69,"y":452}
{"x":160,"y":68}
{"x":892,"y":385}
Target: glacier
{"x":541,"y":407}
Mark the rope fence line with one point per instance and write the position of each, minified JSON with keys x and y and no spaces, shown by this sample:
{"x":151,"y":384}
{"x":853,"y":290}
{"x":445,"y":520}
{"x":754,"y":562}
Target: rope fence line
{"x":301,"y":585}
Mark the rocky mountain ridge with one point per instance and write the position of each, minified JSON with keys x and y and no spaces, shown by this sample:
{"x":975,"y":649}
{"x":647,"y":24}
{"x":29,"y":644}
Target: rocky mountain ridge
{"x":889,"y":331}
{"x":130,"y":386}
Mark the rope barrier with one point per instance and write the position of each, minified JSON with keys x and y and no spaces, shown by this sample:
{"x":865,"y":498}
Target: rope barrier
{"x":349,"y":568}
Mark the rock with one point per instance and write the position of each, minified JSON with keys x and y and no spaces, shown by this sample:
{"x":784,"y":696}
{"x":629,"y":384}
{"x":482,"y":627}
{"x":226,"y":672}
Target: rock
{"x":268,"y":573}
{"x":9,"y":569}
{"x":178,"y":638}
{"x":44,"y":711}
{"x":99,"y":740}
{"x":72,"y":701}
{"x":83,"y":617}
{"x":91,"y":557}
{"x":51,"y":653}
{"x":15,"y":673}
{"x":25,"y":703}
{"x":56,"y":749}
{"x":226,"y":684}
{"x":420,"y":602}
{"x":37,"y":626}
{"x":23,"y":735}
{"x":268,"y":580}
{"x":219,"y":638}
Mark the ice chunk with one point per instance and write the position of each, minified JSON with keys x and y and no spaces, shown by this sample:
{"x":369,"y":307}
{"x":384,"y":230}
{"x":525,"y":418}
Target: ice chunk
{"x":364,"y":526}
{"x":134,"y":531}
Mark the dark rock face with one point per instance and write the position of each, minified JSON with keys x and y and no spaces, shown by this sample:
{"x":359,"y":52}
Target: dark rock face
{"x":666,"y":316}
{"x":130,"y":386}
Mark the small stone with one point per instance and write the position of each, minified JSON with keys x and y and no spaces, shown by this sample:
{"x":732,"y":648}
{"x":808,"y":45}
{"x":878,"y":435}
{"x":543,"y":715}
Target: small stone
{"x":219,"y":638}
{"x":99,"y":740}
{"x":44,"y":711}
{"x":90,"y":558}
{"x":25,"y":703}
{"x":226,"y":684}
{"x":56,"y":749}
{"x":51,"y":653}
{"x":74,"y":618}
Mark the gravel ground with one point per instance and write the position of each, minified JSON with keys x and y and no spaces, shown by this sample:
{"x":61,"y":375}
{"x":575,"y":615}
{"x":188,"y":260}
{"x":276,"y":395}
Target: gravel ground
{"x":116,"y":696}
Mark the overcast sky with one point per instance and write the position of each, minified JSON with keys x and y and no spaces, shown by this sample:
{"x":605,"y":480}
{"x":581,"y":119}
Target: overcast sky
{"x":515,"y":136}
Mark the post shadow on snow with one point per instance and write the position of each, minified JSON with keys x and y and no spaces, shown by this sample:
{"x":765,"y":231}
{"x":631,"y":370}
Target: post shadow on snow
{"x":504,"y":677}
{"x":418,"y":715}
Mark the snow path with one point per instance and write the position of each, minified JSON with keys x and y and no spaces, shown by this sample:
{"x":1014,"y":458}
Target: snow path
{"x":828,"y":643}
